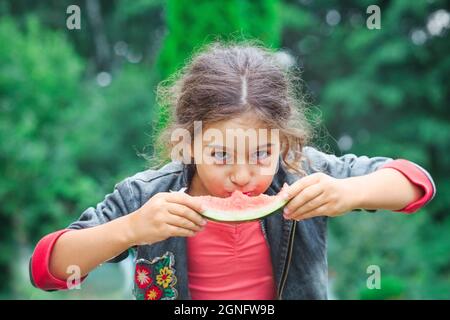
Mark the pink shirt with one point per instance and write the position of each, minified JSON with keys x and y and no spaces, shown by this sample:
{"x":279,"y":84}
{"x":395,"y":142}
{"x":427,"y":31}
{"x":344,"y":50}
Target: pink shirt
{"x":230,"y":261}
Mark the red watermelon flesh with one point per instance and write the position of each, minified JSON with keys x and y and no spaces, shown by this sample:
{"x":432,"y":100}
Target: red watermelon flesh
{"x":240,"y":207}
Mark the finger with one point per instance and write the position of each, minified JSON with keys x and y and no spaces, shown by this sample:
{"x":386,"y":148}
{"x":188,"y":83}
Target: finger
{"x":303,"y":197}
{"x":185,"y":199}
{"x":187,"y":213}
{"x":180,"y":232}
{"x":181,"y":222}
{"x":308,"y":207}
{"x":320,"y":211}
{"x":299,"y":185}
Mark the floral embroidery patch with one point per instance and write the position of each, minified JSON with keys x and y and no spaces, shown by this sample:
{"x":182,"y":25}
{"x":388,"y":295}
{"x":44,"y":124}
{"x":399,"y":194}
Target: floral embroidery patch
{"x":155,"y":280}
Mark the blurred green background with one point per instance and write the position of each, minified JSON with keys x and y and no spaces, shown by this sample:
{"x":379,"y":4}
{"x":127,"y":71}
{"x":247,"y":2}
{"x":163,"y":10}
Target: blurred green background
{"x":78,"y":111}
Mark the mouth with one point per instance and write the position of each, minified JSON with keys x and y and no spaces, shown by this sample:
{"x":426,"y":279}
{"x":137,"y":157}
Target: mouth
{"x":247,"y":193}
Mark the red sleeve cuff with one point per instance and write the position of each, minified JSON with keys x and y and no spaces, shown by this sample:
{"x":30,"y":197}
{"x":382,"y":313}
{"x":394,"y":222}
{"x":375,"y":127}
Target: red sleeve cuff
{"x":417,"y":177}
{"x":40,"y":275}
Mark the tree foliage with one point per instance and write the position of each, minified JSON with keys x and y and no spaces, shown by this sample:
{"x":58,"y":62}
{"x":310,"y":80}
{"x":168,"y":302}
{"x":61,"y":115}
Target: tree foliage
{"x":73,"y":124}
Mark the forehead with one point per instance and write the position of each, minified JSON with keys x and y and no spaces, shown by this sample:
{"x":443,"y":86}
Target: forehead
{"x":246,"y":121}
{"x":245,"y":129}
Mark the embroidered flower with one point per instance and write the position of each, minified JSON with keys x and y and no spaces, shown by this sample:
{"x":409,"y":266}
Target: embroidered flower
{"x":155,"y":279}
{"x":153,"y":293}
{"x":164,"y":277}
{"x":142,"y":276}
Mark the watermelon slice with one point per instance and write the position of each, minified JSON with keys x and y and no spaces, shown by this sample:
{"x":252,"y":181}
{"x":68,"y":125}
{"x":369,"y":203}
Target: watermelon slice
{"x":240,"y":207}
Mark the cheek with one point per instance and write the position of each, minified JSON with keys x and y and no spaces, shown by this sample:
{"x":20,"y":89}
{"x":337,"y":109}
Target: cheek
{"x":214,"y":179}
{"x":263,"y":183}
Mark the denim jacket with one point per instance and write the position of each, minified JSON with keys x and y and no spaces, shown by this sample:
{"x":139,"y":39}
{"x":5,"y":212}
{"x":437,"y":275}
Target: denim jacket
{"x":298,"y":249}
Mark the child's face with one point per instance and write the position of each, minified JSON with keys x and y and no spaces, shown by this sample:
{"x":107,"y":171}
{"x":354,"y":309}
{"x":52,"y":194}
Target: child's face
{"x":227,"y":166}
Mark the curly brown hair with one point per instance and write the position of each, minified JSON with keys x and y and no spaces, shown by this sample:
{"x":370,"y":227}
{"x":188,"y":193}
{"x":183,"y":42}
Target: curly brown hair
{"x":209,"y":88}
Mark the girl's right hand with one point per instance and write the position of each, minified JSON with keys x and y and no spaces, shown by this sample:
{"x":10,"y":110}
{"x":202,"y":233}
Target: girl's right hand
{"x":166,"y":214}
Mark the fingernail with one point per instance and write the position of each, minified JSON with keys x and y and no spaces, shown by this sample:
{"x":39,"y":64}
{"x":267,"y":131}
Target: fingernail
{"x":203,"y":222}
{"x":285,"y":195}
{"x":286,"y":216}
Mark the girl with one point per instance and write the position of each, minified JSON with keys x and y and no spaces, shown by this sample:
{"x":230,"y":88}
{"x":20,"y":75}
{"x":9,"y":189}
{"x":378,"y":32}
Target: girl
{"x":181,"y":255}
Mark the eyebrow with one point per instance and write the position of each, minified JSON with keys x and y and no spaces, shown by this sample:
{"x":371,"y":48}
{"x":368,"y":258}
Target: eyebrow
{"x":265,"y":145}
{"x":216,"y":146}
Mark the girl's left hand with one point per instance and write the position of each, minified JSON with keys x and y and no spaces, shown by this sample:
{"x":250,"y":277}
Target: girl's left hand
{"x":318,"y":195}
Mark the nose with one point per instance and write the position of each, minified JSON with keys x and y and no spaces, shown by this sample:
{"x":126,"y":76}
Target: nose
{"x":241,"y":175}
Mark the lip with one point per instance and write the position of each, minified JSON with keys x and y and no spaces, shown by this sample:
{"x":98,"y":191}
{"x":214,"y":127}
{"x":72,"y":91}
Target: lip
{"x":247,"y":193}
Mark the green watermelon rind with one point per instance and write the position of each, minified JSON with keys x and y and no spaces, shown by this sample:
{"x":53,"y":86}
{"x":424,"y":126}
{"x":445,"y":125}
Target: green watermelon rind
{"x":244,"y":215}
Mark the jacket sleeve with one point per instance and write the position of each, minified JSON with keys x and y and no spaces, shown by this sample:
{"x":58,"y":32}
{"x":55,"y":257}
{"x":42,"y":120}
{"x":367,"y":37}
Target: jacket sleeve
{"x":350,"y":165}
{"x":116,"y":204}
{"x":419,"y":177}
